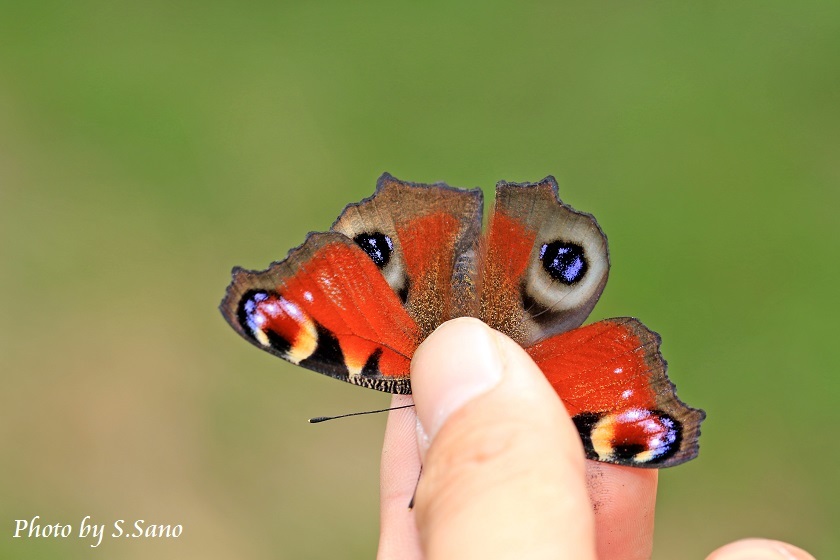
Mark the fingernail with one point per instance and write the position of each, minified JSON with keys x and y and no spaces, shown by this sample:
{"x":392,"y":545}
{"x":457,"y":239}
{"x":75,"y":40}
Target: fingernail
{"x":458,"y":362}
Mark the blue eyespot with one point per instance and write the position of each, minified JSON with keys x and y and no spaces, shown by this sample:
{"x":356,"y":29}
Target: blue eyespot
{"x":377,"y":245}
{"x":564,"y":261}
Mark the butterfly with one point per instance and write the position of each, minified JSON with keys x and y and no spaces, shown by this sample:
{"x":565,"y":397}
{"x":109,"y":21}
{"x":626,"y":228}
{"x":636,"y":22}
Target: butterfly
{"x":355,"y":302}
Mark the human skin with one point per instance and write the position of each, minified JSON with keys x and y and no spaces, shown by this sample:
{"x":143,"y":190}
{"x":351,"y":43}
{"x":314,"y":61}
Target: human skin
{"x":504,"y":473}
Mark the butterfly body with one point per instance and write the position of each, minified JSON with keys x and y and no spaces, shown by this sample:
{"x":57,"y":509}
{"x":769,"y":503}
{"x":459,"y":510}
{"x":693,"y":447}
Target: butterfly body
{"x":354,"y":303}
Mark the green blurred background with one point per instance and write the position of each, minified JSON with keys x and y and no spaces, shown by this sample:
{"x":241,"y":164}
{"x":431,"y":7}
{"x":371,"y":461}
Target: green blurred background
{"x":144,"y":150}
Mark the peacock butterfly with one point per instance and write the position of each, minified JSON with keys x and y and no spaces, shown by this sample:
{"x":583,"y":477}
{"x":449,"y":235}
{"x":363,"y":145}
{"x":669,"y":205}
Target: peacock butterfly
{"x":355,"y":302}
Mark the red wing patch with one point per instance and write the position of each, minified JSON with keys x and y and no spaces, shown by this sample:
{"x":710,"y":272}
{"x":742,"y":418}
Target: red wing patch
{"x":427,"y":245}
{"x":509,"y":246}
{"x":612,"y":379}
{"x":328,"y":308}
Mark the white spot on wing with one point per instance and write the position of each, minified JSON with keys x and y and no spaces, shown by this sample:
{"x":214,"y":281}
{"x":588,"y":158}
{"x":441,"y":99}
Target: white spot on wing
{"x":292,"y":310}
{"x":633,"y":415}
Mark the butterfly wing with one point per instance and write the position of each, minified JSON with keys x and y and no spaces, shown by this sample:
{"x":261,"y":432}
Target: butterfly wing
{"x":355,"y":302}
{"x":612,"y":379}
{"x":545,"y":263}
{"x":327,"y":308}
{"x":546,"y":266}
{"x":430,"y":235}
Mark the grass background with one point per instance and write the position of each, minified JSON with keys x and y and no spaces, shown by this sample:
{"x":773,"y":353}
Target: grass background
{"x":145,"y":149}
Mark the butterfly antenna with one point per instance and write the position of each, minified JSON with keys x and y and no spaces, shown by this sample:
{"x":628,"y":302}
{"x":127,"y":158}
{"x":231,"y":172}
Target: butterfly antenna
{"x":319,"y":419}
{"x":414,"y":495}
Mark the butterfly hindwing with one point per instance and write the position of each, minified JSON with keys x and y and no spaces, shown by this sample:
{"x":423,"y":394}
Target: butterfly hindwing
{"x":328,"y":308}
{"x":612,"y":379}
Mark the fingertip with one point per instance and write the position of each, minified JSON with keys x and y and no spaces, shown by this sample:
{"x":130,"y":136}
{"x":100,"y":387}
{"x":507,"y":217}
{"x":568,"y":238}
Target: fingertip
{"x":624,"y":503}
{"x":456,"y":363}
{"x":759,"y":549}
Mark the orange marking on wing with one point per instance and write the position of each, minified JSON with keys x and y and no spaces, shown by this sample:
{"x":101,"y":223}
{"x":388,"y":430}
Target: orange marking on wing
{"x":426,"y":242}
{"x":343,"y":290}
{"x":597,"y":368}
{"x":392,"y":364}
{"x":509,"y":246}
{"x":428,"y":252}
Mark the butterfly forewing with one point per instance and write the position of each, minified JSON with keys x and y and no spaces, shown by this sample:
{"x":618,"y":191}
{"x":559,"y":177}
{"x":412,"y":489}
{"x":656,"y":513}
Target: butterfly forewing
{"x":545,"y":266}
{"x":328,"y":308}
{"x":419,"y":236}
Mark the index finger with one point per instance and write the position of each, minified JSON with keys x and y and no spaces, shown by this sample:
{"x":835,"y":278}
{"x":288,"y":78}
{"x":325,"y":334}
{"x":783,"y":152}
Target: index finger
{"x":399,"y":472}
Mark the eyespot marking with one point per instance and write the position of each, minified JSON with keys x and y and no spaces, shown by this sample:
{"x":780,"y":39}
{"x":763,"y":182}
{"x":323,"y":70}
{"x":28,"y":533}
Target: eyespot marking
{"x":249,"y":320}
{"x":378,"y":247}
{"x":276,"y":322}
{"x":564,"y":261}
{"x":634,"y":435}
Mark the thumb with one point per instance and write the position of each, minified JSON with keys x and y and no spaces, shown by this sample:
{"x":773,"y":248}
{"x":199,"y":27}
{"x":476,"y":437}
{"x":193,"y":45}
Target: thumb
{"x":503,"y":475}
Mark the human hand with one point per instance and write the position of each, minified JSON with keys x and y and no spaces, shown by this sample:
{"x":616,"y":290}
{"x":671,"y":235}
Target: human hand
{"x":504,"y":474}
